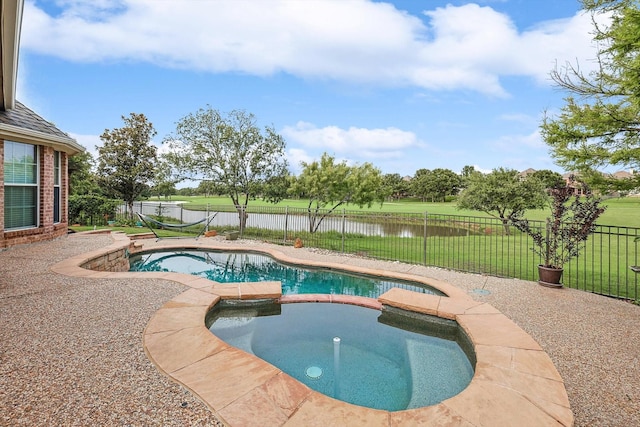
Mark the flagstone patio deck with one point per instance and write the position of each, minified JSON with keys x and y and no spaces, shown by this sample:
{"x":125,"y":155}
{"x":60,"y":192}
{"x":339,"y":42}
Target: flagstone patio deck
{"x":515,"y":381}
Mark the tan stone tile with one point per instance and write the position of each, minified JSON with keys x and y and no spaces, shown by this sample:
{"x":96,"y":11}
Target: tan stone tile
{"x":70,"y":270}
{"x":450,"y":290}
{"x":407,"y":300}
{"x":496,"y":329}
{"x":173,"y":351}
{"x":491,"y":355}
{"x":431,"y":416}
{"x":253,"y":409}
{"x":226,"y":291}
{"x":121,"y":275}
{"x":225,"y":376}
{"x":193,"y":297}
{"x":175,"y":319}
{"x":487,"y":404}
{"x":535,"y":363}
{"x":534,"y":388}
{"x":320,"y":410}
{"x":286,"y":392}
{"x":201,"y":282}
{"x":449,"y":308}
{"x":260,"y":290}
{"x":483,"y":308}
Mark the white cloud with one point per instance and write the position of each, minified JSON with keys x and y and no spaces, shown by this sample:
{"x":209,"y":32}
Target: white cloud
{"x":516,"y":142}
{"x":482,"y":170}
{"x":355,"y":143}
{"x":90,"y":142}
{"x":295,"y":156}
{"x":466,"y":47}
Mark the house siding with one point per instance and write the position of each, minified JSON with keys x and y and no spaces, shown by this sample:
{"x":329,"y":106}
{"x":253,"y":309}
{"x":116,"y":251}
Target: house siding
{"x":46,"y":229}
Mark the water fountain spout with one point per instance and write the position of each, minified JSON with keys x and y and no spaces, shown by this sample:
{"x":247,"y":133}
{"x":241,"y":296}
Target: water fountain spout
{"x":336,"y":367}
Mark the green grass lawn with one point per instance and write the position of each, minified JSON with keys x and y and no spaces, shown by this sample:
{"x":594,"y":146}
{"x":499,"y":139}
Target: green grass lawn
{"x":621,"y":212}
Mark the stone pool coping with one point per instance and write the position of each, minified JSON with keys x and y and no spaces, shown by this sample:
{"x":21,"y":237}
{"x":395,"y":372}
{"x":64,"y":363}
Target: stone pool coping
{"x":515,"y":381}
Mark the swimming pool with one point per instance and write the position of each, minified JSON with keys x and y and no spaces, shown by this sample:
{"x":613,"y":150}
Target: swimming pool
{"x":359,"y":355}
{"x":232,"y":267}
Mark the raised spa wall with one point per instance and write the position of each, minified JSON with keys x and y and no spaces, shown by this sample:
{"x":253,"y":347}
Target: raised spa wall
{"x":115,"y":260}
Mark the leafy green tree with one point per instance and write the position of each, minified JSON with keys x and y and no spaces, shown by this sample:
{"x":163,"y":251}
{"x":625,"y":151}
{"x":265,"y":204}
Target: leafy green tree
{"x":186,"y":191}
{"x":277,"y":187}
{"x":549,"y":178}
{"x":395,"y":185}
{"x":126,"y":160}
{"x":444,"y":182}
{"x":419,"y":184}
{"x":503,"y":194}
{"x":208,"y":188}
{"x":599,"y":124}
{"x":92,"y":209}
{"x":82,"y":180}
{"x":163,"y":184}
{"x":327,"y":183}
{"x":435,"y":185}
{"x":465,"y":175}
{"x":231,"y":151}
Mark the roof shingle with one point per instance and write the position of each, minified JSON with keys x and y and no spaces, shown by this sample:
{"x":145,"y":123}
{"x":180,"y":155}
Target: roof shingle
{"x":23,"y":117}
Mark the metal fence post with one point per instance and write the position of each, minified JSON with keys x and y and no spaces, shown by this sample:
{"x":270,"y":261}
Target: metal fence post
{"x":286,"y":223}
{"x":424,"y":238}
{"x":243,"y":219}
{"x":207,"y":216}
{"x":344,"y":212}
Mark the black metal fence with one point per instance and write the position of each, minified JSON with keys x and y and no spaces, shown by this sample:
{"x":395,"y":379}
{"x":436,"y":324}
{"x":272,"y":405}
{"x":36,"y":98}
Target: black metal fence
{"x":456,"y":242}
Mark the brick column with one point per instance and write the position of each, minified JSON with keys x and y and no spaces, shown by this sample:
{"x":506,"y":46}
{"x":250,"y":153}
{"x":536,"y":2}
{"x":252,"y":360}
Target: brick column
{"x":2,"y":243}
{"x":46,"y":189}
{"x":64,"y":187}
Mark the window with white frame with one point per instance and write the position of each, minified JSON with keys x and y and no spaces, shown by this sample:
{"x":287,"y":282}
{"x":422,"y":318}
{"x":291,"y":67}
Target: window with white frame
{"x":20,"y":185}
{"x":57,"y":206}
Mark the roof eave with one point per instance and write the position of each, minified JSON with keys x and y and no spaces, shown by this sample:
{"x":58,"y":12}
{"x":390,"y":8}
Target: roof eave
{"x":10,"y":38}
{"x":18,"y":134}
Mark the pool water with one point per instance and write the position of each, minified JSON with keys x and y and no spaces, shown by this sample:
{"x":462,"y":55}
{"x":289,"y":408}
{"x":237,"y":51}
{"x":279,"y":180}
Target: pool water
{"x":375,"y":364}
{"x":232,"y":267}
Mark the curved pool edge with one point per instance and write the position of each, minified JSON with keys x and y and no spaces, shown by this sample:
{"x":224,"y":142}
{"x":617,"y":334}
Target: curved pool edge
{"x":515,"y":381}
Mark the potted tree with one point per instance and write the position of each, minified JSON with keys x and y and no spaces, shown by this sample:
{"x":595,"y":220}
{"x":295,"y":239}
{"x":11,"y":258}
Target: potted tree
{"x":572,"y":220}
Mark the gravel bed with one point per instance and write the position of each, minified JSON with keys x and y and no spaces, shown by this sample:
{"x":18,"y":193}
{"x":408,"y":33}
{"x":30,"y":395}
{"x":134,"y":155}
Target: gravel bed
{"x":71,"y":348}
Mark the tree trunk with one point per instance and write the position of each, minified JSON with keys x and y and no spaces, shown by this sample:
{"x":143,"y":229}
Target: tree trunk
{"x":242,"y":217}
{"x":505,"y":224}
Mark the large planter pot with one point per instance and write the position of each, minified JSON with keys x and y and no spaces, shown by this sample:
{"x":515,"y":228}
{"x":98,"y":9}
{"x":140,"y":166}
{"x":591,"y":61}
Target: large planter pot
{"x":549,"y":276}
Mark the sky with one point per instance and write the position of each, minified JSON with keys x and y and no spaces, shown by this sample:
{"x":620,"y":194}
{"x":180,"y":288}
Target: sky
{"x":404,"y":85}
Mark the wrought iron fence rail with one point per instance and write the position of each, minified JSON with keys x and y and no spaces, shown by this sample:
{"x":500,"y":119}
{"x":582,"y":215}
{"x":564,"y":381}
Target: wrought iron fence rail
{"x":456,"y":242}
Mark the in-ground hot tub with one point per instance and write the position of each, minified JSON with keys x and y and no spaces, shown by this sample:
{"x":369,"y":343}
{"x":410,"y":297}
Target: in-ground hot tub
{"x":394,"y":360}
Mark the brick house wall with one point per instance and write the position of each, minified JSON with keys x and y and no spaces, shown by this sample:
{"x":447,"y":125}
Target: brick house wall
{"x":46,"y":230}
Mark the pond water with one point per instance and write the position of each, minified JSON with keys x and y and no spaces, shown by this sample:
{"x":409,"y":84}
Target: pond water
{"x":352,"y":353}
{"x":293,"y":223}
{"x":232,"y":267}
